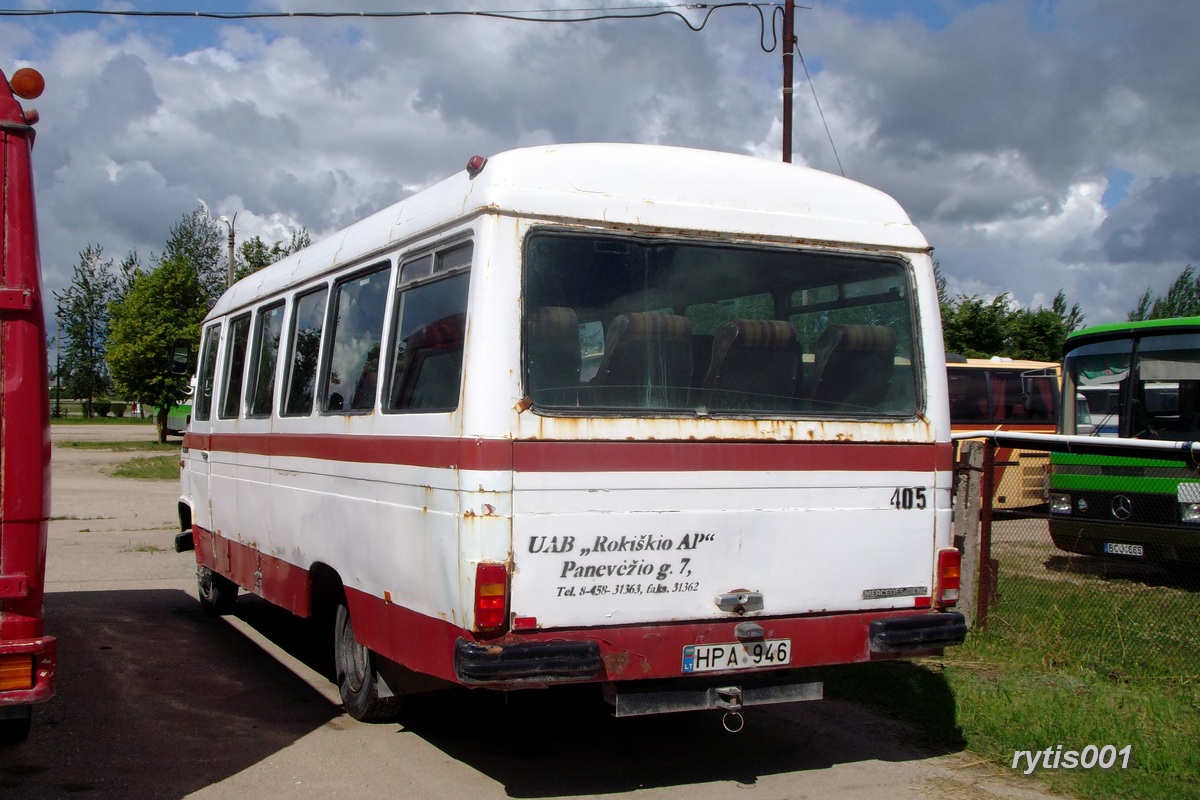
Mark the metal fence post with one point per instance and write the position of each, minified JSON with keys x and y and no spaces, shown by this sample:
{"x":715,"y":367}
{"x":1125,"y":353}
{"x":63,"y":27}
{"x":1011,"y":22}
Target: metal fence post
{"x":966,"y":524}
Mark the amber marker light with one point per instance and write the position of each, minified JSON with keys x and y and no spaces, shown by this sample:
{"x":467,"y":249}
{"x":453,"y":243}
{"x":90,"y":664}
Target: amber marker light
{"x":27,"y":83}
{"x":16,"y":672}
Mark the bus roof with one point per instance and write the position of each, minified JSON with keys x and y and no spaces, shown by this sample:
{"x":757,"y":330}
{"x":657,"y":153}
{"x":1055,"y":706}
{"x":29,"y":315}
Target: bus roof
{"x":999,"y":362}
{"x":641,"y":187}
{"x":1120,"y":330}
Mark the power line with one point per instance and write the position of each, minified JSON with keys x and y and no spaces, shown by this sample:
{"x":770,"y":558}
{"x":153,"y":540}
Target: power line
{"x":821,"y":112}
{"x":589,"y":14}
{"x":774,"y":11}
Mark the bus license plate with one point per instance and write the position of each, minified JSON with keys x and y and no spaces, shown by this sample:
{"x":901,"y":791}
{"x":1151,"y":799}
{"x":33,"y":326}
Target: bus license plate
{"x":1122,"y":549}
{"x":736,"y":655}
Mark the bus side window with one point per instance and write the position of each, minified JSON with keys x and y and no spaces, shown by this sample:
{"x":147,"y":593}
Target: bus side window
{"x":968,"y":396}
{"x":204,"y":377}
{"x":267,"y":330}
{"x":307,"y":323}
{"x":1040,"y":405}
{"x":426,"y":365}
{"x":348,"y":380}
{"x":235,"y":368}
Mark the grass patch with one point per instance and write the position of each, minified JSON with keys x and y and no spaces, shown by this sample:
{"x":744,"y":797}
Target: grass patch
{"x":148,"y":548}
{"x":1068,"y":663}
{"x":159,"y":468}
{"x":123,"y":446}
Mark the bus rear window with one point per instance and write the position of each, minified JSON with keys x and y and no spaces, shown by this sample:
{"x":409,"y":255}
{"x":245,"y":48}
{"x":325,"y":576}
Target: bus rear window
{"x":646,"y":326}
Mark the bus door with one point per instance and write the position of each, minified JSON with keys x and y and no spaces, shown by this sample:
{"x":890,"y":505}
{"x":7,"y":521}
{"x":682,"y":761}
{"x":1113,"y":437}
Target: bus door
{"x":197,"y":444}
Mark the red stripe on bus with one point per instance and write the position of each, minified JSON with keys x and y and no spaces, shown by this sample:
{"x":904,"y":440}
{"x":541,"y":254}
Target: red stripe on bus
{"x":575,"y":456}
{"x":426,"y":644}
{"x":417,"y":451}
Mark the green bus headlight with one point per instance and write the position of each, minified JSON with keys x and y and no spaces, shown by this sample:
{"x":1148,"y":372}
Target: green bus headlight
{"x":1060,"y":503}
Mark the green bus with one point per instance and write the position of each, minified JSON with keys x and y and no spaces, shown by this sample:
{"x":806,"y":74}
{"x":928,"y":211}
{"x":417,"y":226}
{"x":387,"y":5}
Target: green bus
{"x":1140,"y":380}
{"x":178,"y":419}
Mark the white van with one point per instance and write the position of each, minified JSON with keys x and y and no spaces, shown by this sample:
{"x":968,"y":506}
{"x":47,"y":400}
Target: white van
{"x":666,"y":420}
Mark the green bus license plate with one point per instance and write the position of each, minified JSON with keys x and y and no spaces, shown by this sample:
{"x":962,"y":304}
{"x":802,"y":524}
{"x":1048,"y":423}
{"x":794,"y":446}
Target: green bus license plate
{"x":1122,"y":549}
{"x":736,"y":655}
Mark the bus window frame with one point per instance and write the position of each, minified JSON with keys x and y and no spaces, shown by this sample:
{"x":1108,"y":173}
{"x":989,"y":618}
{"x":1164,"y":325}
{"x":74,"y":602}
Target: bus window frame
{"x":233,"y":387}
{"x":297,"y":298}
{"x":321,"y":396}
{"x":253,"y":368}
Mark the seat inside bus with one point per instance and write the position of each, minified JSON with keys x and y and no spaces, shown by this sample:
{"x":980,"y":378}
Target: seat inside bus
{"x":752,"y":357}
{"x":852,"y":368}
{"x":647,"y":359}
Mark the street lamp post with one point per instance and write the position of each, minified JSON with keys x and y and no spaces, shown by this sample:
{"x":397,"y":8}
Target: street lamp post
{"x":229,"y":223}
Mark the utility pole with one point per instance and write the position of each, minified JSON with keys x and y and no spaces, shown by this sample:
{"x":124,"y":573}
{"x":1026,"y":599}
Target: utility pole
{"x":789,"y":47}
{"x":57,"y":366}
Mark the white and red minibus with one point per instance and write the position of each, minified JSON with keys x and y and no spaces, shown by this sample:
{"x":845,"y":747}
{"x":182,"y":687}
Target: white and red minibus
{"x":27,"y":654}
{"x":669,"y":421}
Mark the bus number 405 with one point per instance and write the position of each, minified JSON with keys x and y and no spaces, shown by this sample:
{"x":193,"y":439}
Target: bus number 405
{"x":908,"y":498}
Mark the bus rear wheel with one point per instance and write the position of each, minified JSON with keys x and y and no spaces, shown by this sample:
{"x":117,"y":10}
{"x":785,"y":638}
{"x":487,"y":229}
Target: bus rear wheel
{"x":357,"y":679}
{"x":217,"y":593}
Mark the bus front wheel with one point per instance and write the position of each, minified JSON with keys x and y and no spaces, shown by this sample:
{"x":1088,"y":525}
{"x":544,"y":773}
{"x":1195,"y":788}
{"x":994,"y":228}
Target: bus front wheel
{"x":357,"y":680}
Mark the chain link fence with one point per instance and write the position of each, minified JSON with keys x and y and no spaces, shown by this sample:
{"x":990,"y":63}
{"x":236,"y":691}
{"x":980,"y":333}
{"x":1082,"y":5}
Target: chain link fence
{"x":1094,"y":560}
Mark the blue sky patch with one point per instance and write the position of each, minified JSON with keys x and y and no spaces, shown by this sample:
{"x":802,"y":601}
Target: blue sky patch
{"x":1118,"y":187}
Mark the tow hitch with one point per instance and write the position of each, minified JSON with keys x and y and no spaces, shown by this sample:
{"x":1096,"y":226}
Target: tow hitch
{"x":636,"y":698}
{"x":730,"y":699}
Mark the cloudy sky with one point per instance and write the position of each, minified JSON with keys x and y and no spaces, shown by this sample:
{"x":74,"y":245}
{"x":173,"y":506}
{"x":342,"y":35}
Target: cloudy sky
{"x":1040,"y":145}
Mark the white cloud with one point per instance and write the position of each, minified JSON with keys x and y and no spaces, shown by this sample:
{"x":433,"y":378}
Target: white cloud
{"x":995,"y":128}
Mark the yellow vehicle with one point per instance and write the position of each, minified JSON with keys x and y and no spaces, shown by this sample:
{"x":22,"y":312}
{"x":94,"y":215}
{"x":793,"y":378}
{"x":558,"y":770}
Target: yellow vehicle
{"x":1013,"y":395}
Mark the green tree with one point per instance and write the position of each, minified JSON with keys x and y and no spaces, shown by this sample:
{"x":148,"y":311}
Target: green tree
{"x":84,"y":319}
{"x":977,"y":328}
{"x":1071,"y":318}
{"x":1036,"y":334}
{"x":161,"y":305}
{"x":1181,"y":300}
{"x":129,"y":268}
{"x":254,"y":254}
{"x":198,"y":241}
{"x":939,"y":280}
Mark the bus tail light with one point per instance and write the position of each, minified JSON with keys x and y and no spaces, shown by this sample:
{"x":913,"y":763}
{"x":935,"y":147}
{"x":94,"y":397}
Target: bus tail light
{"x":491,"y":596}
{"x":949,"y":576}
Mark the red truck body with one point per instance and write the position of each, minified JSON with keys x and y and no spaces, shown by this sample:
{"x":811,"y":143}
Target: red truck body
{"x":27,"y":655}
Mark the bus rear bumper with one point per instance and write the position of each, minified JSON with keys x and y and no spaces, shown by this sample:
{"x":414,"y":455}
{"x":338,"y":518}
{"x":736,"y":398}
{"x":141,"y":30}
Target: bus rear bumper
{"x":39,"y":656}
{"x":532,"y":662}
{"x":918,"y":633}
